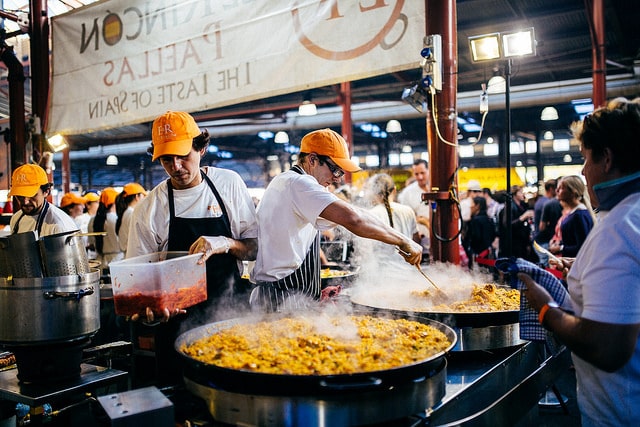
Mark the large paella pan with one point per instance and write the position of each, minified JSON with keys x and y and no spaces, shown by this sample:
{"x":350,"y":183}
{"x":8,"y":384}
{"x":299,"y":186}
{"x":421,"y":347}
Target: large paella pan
{"x":247,"y":379}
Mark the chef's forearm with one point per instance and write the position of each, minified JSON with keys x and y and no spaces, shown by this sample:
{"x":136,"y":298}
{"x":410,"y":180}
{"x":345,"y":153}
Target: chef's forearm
{"x":243,"y":249}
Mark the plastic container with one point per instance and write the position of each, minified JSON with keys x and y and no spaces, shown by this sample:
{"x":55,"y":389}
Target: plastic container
{"x":159,"y":280}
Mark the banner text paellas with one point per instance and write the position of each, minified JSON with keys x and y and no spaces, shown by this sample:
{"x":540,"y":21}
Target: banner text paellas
{"x":117,"y":64}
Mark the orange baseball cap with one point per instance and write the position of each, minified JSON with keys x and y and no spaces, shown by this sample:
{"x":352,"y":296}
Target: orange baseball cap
{"x":108,"y":196}
{"x":72,"y":199}
{"x":133,"y":188}
{"x":172,"y":134}
{"x":327,"y":142}
{"x":91,"y":196}
{"x":27,"y":179}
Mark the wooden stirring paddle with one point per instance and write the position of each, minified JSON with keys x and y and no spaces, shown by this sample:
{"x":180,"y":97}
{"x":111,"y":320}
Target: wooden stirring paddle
{"x":429,"y":279}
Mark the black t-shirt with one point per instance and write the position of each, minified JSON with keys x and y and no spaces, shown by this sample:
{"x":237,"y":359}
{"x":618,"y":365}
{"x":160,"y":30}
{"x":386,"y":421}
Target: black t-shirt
{"x":551,"y":213}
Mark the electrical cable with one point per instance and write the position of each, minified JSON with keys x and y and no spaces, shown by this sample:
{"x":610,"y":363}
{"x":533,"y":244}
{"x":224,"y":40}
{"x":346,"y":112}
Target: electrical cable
{"x":433,"y":228}
{"x":434,"y":114}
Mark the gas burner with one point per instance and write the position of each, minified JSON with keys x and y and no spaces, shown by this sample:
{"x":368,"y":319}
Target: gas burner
{"x":49,"y":363}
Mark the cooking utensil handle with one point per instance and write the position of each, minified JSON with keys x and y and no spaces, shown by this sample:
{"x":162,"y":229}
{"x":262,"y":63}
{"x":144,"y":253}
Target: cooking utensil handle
{"x":371,"y":382}
{"x":68,"y":295}
{"x":427,"y":277}
{"x":546,"y":252}
{"x":419,"y":269}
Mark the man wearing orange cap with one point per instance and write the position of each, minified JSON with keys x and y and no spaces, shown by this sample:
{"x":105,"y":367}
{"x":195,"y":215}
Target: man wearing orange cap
{"x":131,"y":194}
{"x":204,"y":210}
{"x":207,"y":210}
{"x":30,"y":187}
{"x":295,"y":207}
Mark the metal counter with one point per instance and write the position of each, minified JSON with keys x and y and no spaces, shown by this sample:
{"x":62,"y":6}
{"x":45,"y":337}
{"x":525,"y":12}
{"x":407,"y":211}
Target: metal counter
{"x":497,"y":388}
{"x":91,"y":377}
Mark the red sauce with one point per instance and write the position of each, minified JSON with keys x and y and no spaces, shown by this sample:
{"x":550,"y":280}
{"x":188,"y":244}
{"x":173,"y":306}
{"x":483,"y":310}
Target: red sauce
{"x":136,"y":301}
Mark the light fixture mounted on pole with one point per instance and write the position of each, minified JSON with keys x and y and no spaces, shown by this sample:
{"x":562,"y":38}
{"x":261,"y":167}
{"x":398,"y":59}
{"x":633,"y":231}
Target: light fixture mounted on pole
{"x":57,"y":142}
{"x":496,"y":47}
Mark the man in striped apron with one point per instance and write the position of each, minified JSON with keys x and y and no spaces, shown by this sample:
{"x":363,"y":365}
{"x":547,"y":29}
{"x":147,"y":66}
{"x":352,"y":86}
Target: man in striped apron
{"x":295,"y":207}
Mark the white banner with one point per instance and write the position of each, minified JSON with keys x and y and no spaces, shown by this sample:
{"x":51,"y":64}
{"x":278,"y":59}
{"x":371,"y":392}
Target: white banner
{"x":122,"y":62}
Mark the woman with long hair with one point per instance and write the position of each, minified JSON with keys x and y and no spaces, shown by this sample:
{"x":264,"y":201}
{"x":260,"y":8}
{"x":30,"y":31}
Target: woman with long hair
{"x":131,"y":194}
{"x":382,"y":191}
{"x":579,"y":217}
{"x":481,"y":231}
{"x":107,"y":246}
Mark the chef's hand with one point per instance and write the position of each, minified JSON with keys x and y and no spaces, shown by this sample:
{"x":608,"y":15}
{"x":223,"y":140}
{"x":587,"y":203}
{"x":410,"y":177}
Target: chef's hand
{"x":555,"y":247}
{"x":210,"y":245}
{"x":536,"y":295}
{"x":564,"y":265}
{"x":411,"y":252}
{"x":150,"y":317}
{"x":330,"y":292}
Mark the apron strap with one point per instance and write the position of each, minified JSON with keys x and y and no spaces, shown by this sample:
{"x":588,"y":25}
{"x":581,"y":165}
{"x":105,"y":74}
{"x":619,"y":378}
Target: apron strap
{"x":39,"y":221}
{"x":225,"y":216}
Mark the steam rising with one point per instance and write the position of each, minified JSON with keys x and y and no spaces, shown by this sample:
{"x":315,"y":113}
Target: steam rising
{"x":391,"y":281}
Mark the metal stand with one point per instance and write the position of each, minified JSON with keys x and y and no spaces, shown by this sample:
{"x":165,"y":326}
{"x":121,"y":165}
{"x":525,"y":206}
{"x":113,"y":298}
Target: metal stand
{"x":552,"y":397}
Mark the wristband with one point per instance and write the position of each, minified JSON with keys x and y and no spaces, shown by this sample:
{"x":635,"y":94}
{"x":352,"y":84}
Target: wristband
{"x":544,"y":309}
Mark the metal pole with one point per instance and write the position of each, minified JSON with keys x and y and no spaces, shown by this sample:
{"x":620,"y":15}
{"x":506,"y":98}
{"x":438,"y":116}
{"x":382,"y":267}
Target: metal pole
{"x":443,"y":159}
{"x":507,"y":158}
{"x":599,"y":72}
{"x":347,"y":123}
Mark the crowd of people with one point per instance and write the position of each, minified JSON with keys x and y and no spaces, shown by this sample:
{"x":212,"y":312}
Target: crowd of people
{"x":208,"y":210}
{"x":558,"y":220}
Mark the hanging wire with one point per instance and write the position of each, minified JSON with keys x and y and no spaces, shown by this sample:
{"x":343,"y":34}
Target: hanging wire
{"x":434,"y":114}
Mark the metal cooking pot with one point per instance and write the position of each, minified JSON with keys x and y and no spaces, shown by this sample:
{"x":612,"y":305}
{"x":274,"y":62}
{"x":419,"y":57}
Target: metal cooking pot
{"x":369,"y":407}
{"x":64,"y":254}
{"x":49,"y":309}
{"x":275,"y":384}
{"x":20,"y":255}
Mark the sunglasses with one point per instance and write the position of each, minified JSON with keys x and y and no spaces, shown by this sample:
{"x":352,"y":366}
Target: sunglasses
{"x":335,"y":170}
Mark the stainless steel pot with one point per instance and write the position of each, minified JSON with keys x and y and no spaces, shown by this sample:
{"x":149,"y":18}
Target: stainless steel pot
{"x":64,"y":254}
{"x":49,"y":309}
{"x":382,"y":406}
{"x":20,"y":255}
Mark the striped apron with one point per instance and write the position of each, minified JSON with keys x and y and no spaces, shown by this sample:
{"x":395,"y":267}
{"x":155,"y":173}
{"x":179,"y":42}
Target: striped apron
{"x":296,"y":291}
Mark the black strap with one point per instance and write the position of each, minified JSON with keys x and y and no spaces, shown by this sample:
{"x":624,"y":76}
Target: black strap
{"x":225,"y":216}
{"x":297,"y":169}
{"x":39,"y":221}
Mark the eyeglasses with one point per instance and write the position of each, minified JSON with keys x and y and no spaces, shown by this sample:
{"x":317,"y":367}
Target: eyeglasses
{"x":335,"y":170}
